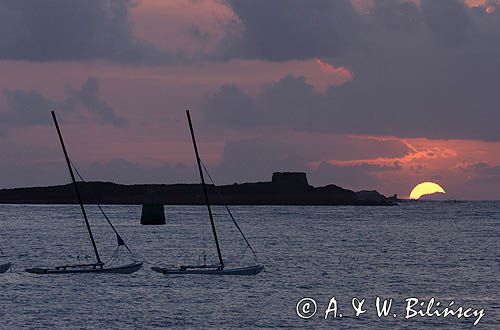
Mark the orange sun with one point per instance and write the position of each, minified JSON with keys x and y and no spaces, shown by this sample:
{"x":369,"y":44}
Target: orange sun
{"x":425,"y":188}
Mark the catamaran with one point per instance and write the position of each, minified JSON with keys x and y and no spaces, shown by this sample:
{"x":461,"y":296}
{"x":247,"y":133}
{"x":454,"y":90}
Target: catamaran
{"x":98,"y":266}
{"x":215,"y":269}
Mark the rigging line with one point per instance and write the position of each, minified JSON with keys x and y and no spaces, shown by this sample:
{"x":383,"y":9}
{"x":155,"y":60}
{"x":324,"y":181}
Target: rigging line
{"x":228,"y":210}
{"x":119,"y":238}
{"x":244,"y":253}
{"x":113,"y":257}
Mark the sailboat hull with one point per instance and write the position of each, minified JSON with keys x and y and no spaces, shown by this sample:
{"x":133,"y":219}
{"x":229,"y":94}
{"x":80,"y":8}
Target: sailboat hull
{"x":252,"y":270}
{"x":4,"y":267}
{"x":122,"y":269}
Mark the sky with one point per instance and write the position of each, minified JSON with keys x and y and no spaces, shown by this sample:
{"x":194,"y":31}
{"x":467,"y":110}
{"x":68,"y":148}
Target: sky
{"x":365,"y":94}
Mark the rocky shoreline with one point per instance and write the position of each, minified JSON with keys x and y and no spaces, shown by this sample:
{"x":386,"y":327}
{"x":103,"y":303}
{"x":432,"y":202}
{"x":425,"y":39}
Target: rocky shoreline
{"x":286,"y":188}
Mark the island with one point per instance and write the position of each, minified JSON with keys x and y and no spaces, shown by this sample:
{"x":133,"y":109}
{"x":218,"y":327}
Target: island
{"x":285,"y":188}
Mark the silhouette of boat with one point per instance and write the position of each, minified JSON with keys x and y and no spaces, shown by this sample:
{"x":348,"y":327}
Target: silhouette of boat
{"x":216,"y":269}
{"x":98,"y":266}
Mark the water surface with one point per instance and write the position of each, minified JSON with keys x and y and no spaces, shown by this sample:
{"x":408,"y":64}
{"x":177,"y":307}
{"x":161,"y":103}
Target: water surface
{"x":449,"y":251}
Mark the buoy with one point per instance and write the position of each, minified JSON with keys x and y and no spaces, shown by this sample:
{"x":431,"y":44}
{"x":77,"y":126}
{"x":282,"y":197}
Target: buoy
{"x":153,"y":214}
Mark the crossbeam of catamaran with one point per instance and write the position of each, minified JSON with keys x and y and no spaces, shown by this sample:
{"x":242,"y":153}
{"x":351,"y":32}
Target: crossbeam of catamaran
{"x":98,"y":266}
{"x":217,"y":269}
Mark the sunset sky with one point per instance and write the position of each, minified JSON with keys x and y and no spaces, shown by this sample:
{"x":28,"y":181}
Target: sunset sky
{"x":365,"y":94}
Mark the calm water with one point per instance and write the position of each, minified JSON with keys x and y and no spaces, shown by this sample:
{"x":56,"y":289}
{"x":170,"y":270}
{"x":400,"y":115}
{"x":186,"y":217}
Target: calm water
{"x":449,"y":251}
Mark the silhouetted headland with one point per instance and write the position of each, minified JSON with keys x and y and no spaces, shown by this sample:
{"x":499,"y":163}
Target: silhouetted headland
{"x":286,"y":188}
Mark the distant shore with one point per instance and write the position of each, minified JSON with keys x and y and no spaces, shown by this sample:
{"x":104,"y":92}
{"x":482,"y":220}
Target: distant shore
{"x":286,"y":188}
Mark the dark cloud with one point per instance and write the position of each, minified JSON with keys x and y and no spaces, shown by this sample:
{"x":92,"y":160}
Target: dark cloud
{"x":448,"y":20}
{"x":284,"y":30}
{"x":55,"y":30}
{"x":254,"y":160}
{"x":482,"y":173}
{"x":231,"y":106}
{"x":377,"y":104}
{"x":88,"y":97}
{"x":472,"y":181}
{"x":430,"y":71}
{"x":289,"y":103}
{"x":257,"y":159}
{"x":292,"y":29}
{"x":27,"y":108}
{"x":242,"y":169}
{"x":124,"y":171}
{"x":18,"y":174}
{"x":356,"y":177}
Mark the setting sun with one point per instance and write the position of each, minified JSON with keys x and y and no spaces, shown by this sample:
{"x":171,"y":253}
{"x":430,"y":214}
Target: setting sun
{"x":425,"y":188}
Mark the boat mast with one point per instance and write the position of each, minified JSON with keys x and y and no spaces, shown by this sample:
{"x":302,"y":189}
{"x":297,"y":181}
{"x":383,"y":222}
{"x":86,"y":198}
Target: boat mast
{"x":76,"y":188}
{"x":205,"y":190}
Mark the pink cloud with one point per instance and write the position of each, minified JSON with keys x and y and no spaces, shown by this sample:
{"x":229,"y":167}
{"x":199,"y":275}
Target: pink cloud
{"x":332,"y":76}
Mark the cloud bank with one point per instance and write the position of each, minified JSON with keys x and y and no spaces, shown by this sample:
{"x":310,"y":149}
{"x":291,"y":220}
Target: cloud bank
{"x":26,"y":108}
{"x":419,"y":71}
{"x":292,"y":103}
{"x":60,"y":30}
{"x":282,"y":30}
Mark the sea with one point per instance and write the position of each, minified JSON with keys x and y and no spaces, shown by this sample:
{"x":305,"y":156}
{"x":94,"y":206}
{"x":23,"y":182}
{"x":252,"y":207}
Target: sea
{"x":326,"y":267}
